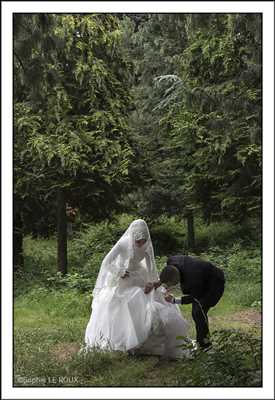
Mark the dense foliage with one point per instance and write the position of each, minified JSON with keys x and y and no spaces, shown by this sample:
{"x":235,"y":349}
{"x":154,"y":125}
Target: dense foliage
{"x":175,"y":131}
{"x":206,"y":114}
{"x":70,"y":116}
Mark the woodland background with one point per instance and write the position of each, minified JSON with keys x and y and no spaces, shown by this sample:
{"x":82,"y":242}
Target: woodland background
{"x":124,"y":116}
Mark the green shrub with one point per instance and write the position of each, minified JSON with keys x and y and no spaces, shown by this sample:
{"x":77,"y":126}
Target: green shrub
{"x":88,"y":248}
{"x":238,"y":263}
{"x":39,"y":254}
{"x":245,"y":264}
{"x":168,"y":236}
{"x":65,"y":302}
{"x":214,"y":234}
{"x":224,"y":234}
{"x":233,"y":360}
{"x":247,"y":294}
{"x":79,"y":281}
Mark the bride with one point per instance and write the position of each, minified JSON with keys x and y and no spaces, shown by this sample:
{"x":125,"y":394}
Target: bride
{"x":124,"y":315}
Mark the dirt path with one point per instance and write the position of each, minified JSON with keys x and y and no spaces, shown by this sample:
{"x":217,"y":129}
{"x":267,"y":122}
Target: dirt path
{"x":64,"y":351}
{"x":249,"y":318}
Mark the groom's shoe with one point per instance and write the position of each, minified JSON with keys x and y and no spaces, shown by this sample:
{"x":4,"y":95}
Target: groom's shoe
{"x":205,"y":347}
{"x":205,"y":343}
{"x":131,"y":353}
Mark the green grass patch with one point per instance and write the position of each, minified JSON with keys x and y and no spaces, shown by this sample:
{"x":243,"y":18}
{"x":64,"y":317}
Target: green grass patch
{"x":51,"y":313}
{"x":49,"y":331}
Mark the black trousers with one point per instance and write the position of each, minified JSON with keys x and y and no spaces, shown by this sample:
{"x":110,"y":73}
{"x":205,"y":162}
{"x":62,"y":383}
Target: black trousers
{"x":200,"y":309}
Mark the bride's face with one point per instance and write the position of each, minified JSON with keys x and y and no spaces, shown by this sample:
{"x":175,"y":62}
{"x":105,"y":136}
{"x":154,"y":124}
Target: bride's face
{"x":140,"y":242}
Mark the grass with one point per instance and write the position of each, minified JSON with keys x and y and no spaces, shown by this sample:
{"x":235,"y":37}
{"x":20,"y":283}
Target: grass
{"x":51,"y":314}
{"x":49,"y":331}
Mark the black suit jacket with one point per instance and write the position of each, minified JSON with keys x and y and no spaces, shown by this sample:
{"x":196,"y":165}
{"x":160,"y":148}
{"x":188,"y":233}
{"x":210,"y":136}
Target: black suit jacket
{"x":198,"y":278}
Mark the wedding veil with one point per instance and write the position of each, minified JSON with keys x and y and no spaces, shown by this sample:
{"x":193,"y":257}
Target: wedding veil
{"x":118,"y":260}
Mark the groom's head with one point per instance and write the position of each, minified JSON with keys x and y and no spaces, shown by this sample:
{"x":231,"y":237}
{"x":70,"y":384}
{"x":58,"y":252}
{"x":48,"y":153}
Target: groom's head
{"x":170,"y":275}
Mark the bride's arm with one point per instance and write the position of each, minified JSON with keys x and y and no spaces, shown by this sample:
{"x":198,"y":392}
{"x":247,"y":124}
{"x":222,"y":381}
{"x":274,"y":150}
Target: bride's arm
{"x":153,"y":281}
{"x":116,"y":260}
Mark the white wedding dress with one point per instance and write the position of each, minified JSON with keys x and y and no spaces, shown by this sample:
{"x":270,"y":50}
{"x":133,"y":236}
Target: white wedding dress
{"x":124,"y":317}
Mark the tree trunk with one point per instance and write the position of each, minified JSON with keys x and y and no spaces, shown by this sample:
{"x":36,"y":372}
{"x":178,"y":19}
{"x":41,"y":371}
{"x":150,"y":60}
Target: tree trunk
{"x":61,"y":233}
{"x":190,"y":231}
{"x":69,"y":229}
{"x":18,"y":258}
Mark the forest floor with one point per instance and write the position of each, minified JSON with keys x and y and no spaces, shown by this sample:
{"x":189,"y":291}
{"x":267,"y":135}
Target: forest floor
{"x":49,"y":329}
{"x":245,"y":319}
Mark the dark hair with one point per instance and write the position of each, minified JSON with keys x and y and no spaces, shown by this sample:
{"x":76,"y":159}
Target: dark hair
{"x":169,"y":274}
{"x":175,"y":260}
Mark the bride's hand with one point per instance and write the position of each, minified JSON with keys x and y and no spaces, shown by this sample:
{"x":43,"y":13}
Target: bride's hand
{"x":148,"y":287}
{"x":126,"y":275}
{"x":169,"y":297}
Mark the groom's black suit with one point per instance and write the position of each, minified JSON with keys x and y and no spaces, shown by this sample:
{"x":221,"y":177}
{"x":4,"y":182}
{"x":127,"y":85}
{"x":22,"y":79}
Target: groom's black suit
{"x":203,"y":283}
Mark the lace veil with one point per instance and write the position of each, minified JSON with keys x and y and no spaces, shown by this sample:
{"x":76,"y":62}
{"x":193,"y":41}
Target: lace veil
{"x":125,"y":251}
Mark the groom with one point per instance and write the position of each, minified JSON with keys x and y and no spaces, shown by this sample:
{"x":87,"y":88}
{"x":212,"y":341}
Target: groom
{"x":201,"y":282}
